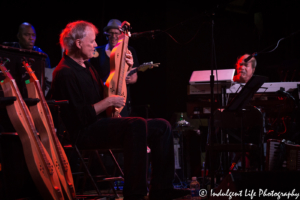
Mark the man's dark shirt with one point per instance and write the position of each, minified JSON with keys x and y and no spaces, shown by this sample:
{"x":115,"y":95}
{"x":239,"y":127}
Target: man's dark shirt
{"x":82,"y":87}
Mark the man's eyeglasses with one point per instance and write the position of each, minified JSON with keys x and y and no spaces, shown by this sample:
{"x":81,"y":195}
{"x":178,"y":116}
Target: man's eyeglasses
{"x":112,"y":34}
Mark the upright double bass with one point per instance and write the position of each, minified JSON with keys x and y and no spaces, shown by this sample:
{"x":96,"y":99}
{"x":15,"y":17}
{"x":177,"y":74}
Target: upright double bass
{"x":38,"y":161}
{"x":116,"y":83}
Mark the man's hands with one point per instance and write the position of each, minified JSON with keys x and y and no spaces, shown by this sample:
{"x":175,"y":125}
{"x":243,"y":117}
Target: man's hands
{"x":131,"y":79}
{"x":129,"y":59}
{"x":116,"y":100}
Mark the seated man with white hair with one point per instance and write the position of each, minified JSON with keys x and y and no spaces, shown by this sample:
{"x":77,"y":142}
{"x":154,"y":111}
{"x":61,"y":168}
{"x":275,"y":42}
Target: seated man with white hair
{"x":77,"y":81}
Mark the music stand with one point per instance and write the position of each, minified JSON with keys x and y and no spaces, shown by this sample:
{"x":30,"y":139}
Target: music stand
{"x":200,"y":80}
{"x":245,"y":95}
{"x":239,"y":102}
{"x":225,"y":76}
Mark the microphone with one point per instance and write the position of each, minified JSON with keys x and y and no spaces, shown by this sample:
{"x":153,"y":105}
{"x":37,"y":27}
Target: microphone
{"x":249,"y":57}
{"x":144,"y":34}
{"x":284,"y":93}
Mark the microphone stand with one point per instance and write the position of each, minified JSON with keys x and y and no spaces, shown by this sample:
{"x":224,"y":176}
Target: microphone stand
{"x":264,"y":50}
{"x":212,"y":82}
{"x":211,"y":127}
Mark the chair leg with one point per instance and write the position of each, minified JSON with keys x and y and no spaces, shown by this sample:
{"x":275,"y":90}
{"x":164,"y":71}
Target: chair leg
{"x":116,"y":162}
{"x":106,"y":173}
{"x":88,"y":166}
{"x":87,"y":171}
{"x":77,"y":183}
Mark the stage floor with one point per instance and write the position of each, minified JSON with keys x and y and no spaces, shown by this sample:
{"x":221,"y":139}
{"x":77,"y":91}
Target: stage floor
{"x":110,"y":194}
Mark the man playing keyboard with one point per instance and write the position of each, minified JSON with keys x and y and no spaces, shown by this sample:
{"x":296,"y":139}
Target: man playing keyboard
{"x":244,"y":70}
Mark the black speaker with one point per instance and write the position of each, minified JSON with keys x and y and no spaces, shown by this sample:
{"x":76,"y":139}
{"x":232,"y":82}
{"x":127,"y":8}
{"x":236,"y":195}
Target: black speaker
{"x":258,"y":185}
{"x":16,"y":69}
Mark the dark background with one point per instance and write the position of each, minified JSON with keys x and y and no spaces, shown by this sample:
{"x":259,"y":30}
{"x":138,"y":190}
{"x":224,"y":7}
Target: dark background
{"x":241,"y":26}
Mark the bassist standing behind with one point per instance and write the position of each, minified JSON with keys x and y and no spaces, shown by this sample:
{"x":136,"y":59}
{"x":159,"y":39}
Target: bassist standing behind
{"x":101,"y":60}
